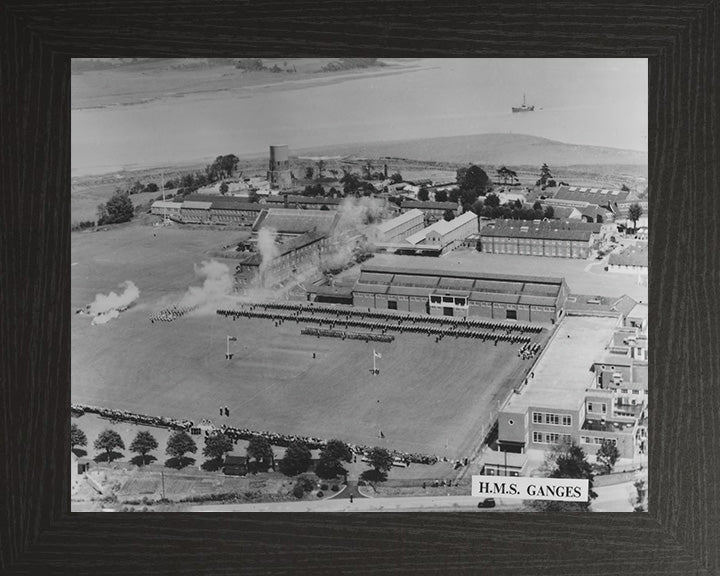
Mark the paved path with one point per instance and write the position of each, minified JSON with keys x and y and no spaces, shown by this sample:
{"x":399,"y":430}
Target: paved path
{"x":405,"y":504}
{"x":350,"y":490}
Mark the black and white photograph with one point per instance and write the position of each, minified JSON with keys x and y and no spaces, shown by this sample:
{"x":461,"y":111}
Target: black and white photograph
{"x":359,"y":285}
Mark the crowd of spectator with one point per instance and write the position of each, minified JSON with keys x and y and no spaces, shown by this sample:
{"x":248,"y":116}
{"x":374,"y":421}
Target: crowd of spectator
{"x":236,"y":434}
{"x":132,"y":417}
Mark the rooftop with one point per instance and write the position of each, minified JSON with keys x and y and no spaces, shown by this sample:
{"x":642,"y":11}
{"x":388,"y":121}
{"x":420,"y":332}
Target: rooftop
{"x":546,"y":230}
{"x":635,"y":255}
{"x":297,"y":199}
{"x":225,"y":202}
{"x":613,"y":306}
{"x":389,"y":225}
{"x":563,"y":372}
{"x":599,"y":196}
{"x":408,"y":270}
{"x":290,"y":221}
{"x":442,"y":227}
{"x":429,"y":205}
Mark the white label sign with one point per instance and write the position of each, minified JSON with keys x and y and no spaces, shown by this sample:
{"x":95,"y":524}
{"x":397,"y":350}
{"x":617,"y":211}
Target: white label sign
{"x":564,"y":489}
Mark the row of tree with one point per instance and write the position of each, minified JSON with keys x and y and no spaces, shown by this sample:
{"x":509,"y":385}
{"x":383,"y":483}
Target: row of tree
{"x":297,"y":460}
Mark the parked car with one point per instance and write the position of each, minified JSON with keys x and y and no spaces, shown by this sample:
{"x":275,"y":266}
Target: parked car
{"x":487,"y":503}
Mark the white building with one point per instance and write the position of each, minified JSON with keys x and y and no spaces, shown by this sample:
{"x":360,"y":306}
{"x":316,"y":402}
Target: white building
{"x":398,"y":228}
{"x":447,"y":235}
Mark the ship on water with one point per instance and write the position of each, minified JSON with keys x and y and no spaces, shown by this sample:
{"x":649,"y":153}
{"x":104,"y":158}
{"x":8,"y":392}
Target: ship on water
{"x":524,"y":107}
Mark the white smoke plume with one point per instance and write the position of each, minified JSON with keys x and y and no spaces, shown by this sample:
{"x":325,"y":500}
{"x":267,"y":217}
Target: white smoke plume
{"x":105,"y":317}
{"x":105,"y":303}
{"x":267,"y":246}
{"x":217,"y":285}
{"x":358,"y":214}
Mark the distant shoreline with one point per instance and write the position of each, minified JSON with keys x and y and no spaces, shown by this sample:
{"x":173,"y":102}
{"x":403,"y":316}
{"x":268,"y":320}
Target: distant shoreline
{"x":253,"y":83}
{"x":422,"y":150}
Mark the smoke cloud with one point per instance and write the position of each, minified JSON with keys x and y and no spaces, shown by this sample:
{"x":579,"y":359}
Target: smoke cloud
{"x":266,"y":245}
{"x":105,"y":303}
{"x":217,"y":285}
{"x":105,"y":317}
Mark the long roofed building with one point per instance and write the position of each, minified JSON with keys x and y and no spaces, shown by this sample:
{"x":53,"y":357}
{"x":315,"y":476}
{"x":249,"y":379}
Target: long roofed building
{"x":457,"y":293}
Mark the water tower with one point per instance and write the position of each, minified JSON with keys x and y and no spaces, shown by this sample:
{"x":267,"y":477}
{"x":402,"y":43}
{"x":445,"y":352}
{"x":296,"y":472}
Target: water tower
{"x":279,"y":170}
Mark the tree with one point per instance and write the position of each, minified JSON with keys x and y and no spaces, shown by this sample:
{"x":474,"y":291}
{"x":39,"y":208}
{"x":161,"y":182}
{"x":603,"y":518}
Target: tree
{"x":152,"y":187}
{"x":607,"y":455}
{"x":441,"y":196}
{"x":473,"y":178}
{"x":136,"y":188}
{"x":423,"y":194}
{"x":309,"y":173}
{"x":329,"y":465}
{"x":108,"y":440}
{"x":260,"y":450}
{"x":320,"y":165}
{"x":568,"y":460}
{"x":367,"y":170}
{"x":179,"y":444}
{"x":624,"y":188}
{"x":492,"y":201}
{"x":380,"y":459}
{"x":77,"y":436}
{"x":338,"y":450}
{"x":448,"y":215}
{"x":253,"y":196}
{"x":222,"y":167}
{"x":216,"y":446}
{"x":143,"y":443}
{"x":549,"y":212}
{"x":118,"y":209}
{"x":396,"y":177}
{"x":545,"y":175}
{"x":537,"y":205}
{"x":350,"y":182}
{"x":224,"y":188}
{"x":297,"y":458}
{"x":634,"y":213}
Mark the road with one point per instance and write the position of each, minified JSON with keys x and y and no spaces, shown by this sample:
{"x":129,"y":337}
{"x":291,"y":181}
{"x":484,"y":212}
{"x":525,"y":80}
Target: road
{"x":404,"y":504}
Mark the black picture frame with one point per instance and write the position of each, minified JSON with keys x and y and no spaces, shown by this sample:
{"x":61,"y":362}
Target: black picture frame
{"x":681,"y":532}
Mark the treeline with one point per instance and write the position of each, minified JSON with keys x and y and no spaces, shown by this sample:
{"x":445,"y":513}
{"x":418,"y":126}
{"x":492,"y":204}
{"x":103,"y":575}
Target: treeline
{"x":351,"y":63}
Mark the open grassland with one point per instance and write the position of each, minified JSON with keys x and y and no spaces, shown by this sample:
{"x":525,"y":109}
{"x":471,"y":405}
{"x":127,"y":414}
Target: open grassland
{"x":429,"y":397}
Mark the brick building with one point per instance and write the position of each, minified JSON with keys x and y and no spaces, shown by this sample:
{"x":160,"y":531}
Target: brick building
{"x":455,"y":293}
{"x":558,"y":239}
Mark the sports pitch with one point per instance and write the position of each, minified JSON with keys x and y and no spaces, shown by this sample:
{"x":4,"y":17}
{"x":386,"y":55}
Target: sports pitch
{"x":434,"y":398}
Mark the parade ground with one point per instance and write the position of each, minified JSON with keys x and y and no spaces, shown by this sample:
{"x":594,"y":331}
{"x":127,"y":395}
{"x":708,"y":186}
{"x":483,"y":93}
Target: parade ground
{"x":429,"y":397}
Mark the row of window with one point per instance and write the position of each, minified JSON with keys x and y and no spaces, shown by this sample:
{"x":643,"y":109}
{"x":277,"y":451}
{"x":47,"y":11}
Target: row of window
{"x":550,"y":418}
{"x":550,"y":438}
{"x":596,"y":440}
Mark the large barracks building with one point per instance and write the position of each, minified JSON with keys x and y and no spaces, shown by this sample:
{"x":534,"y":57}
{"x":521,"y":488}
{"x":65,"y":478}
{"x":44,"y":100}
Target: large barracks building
{"x":456,"y":293}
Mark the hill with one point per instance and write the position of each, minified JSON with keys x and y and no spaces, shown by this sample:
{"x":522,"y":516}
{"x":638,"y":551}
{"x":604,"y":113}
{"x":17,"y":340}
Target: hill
{"x":493,"y":149}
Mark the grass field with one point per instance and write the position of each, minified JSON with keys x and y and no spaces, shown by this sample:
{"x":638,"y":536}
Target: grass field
{"x":429,"y":397}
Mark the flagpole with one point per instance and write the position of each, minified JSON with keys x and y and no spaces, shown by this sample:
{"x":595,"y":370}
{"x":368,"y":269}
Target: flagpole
{"x":227,"y":342}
